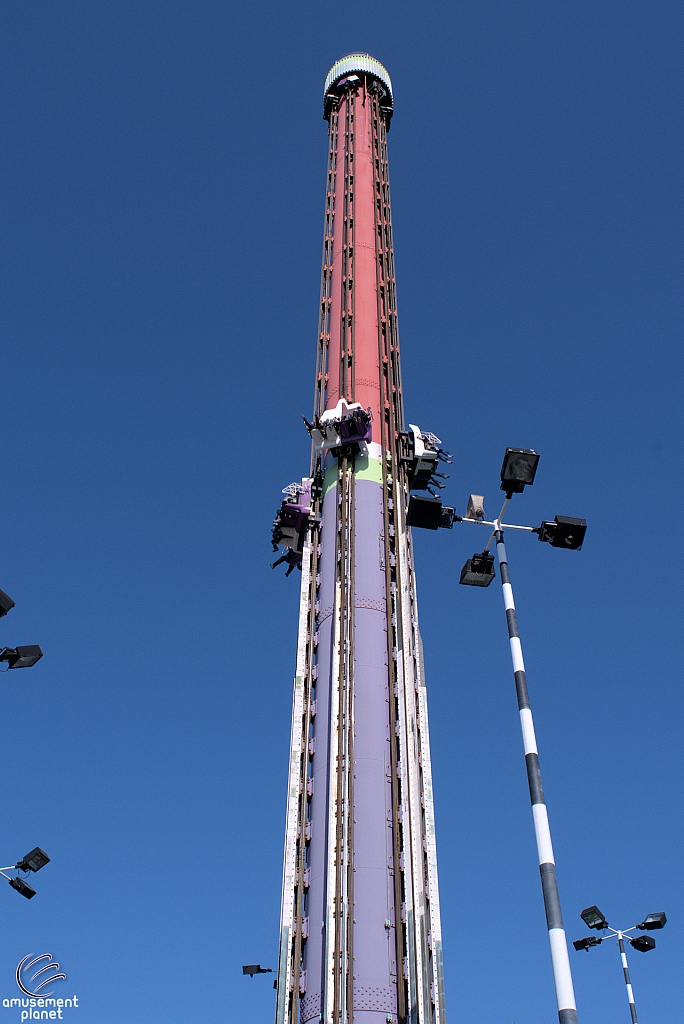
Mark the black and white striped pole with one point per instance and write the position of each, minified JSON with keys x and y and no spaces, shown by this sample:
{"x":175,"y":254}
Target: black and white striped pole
{"x":560,"y":961}
{"x":518,"y":471}
{"x":628,"y":983}
{"x":593,"y":917}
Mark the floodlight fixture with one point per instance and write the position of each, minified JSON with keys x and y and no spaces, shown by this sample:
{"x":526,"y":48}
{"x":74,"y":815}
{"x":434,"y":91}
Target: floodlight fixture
{"x":424,"y":512}
{"x":23,"y":887}
{"x":34,"y":861}
{"x":643,"y":943}
{"x":6,"y":603}
{"x":429,"y":513}
{"x":564,"y":532}
{"x":478,"y":570}
{"x":253,"y":969}
{"x":593,"y":918}
{"x":590,"y":940}
{"x":21,"y":657}
{"x":653,"y":921}
{"x":518,"y":469}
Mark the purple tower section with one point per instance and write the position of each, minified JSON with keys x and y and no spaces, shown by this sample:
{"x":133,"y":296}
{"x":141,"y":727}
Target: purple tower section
{"x":373,"y":946}
{"x":374,"y":949}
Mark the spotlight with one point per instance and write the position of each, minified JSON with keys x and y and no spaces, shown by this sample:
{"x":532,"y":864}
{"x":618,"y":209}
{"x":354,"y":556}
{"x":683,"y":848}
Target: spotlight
{"x":253,"y":969}
{"x":518,"y":469}
{"x":6,"y":603}
{"x":478,"y":570}
{"x":564,"y":532}
{"x":26,"y":890}
{"x":590,"y":940}
{"x":643,"y":943}
{"x":653,"y":921}
{"x":424,"y":512}
{"x":34,"y":861}
{"x":593,"y":918}
{"x":21,"y":657}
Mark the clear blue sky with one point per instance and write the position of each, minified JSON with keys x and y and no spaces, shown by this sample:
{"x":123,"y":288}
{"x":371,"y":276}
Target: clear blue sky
{"x":163,"y":176}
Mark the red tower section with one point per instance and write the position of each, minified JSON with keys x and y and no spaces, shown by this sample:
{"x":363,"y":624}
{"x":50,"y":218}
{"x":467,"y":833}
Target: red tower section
{"x":353,"y":357}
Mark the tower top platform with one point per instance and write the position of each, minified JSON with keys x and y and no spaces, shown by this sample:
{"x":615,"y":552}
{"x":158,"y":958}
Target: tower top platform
{"x":352,"y":64}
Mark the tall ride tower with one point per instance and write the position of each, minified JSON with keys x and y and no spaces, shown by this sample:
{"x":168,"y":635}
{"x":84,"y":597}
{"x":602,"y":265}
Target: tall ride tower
{"x":360,"y":937}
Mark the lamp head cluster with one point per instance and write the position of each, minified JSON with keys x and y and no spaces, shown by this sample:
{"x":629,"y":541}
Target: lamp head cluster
{"x":33,"y":861}
{"x":593,"y":918}
{"x":22,"y":657}
{"x":518,"y":471}
{"x":17,"y":657}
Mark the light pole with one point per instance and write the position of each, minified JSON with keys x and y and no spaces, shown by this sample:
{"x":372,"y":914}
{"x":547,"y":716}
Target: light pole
{"x":593,"y":918}
{"x":517,"y":472}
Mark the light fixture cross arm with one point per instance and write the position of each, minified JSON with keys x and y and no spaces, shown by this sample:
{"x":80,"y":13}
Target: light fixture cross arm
{"x":497,"y":524}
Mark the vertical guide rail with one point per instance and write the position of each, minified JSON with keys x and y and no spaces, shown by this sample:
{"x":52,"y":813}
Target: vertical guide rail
{"x":294,"y":869}
{"x":329,"y":980}
{"x":348,"y":337}
{"x":562,"y":976}
{"x":625,"y":971}
{"x":413,"y":853}
{"x":388,"y":428}
{"x":414,"y":894}
{"x":340,"y":812}
{"x":338,"y":990}
{"x":420,"y":981}
{"x":293,"y":904}
{"x":434,"y":920}
{"x":417,"y":1007}
{"x":326,"y":279}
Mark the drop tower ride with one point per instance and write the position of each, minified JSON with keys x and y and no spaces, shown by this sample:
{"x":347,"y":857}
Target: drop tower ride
{"x":360,"y":936}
